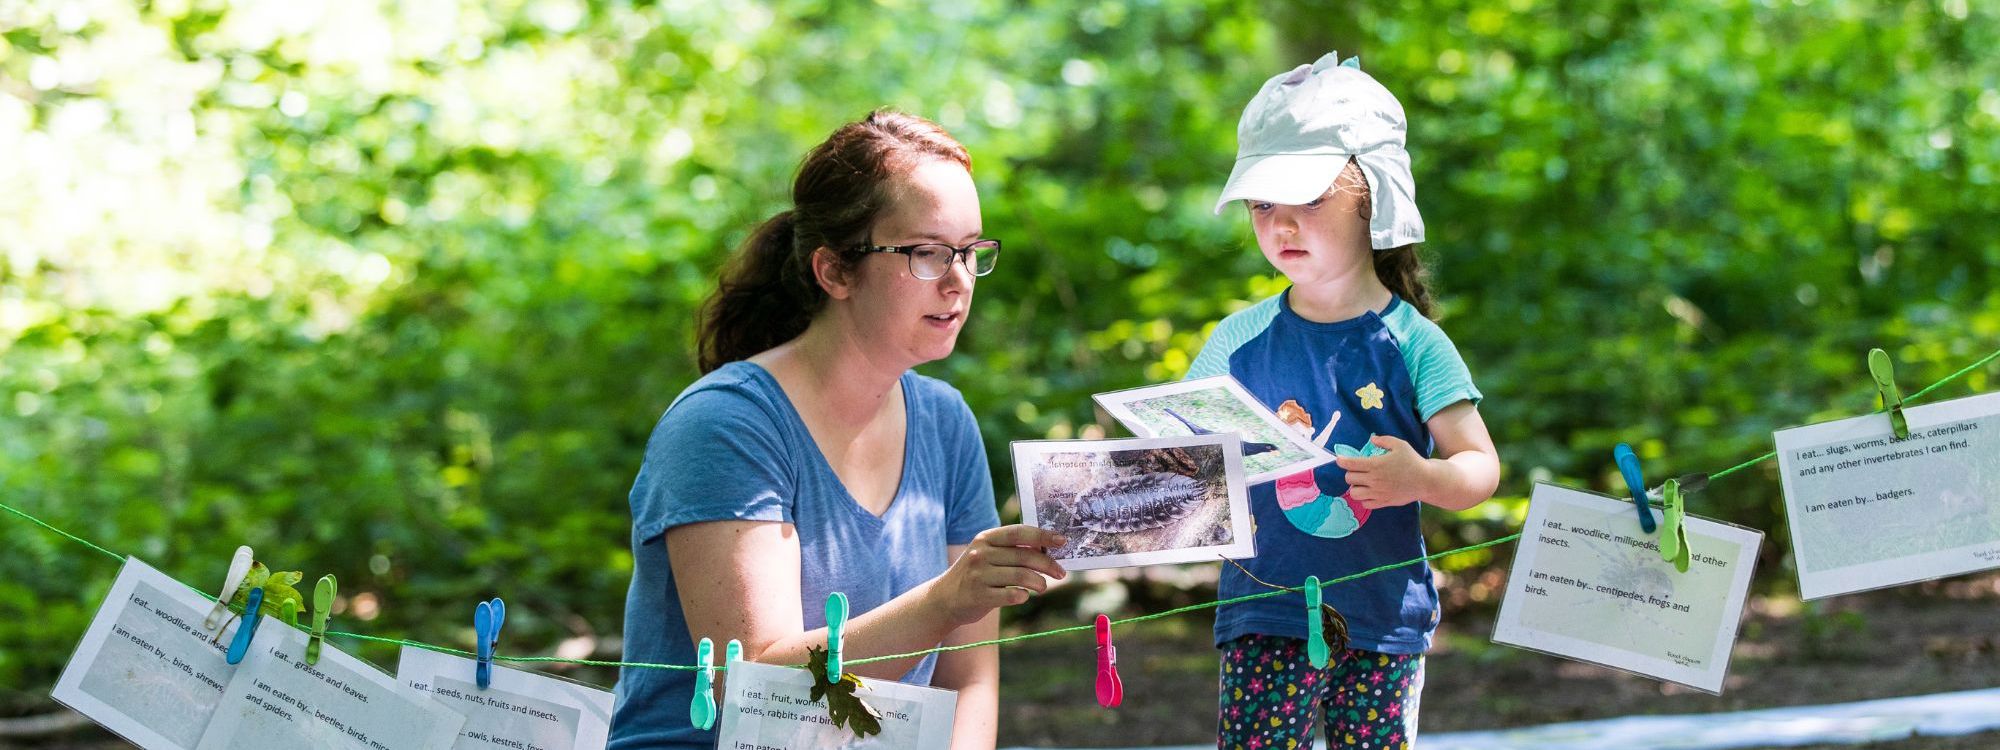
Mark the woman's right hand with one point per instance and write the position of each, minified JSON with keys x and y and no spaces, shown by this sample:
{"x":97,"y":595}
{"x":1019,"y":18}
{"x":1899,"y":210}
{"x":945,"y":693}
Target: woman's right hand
{"x":1001,"y":567}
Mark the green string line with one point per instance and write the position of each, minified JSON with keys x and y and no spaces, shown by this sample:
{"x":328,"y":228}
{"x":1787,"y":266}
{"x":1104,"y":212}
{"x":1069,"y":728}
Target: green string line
{"x":1912,"y":398}
{"x":999,"y":641}
{"x":1191,"y":607}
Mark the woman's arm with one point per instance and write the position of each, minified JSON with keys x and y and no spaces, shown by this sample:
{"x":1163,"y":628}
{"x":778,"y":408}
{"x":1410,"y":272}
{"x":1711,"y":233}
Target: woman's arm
{"x":975,"y":674}
{"x":1465,"y":474}
{"x":740,"y":579}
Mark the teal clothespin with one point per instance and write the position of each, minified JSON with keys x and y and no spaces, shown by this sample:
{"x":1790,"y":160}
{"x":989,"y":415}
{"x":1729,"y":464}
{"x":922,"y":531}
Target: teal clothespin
{"x":1673,"y":542}
{"x":247,"y":629}
{"x":735,"y":653}
{"x":1635,"y":482}
{"x":486,"y":621}
{"x":702,"y":711}
{"x":1884,"y":370}
{"x":1315,"y":625}
{"x":322,"y":607}
{"x":239,"y":567}
{"x":836,"y":621}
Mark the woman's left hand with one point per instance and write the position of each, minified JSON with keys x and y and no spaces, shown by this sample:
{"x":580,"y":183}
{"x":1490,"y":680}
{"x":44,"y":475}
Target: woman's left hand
{"x":1399,"y":477}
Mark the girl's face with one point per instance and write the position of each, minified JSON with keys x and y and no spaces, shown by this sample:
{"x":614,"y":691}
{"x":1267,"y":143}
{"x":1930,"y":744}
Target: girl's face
{"x":1320,"y":241}
{"x":901,"y":317}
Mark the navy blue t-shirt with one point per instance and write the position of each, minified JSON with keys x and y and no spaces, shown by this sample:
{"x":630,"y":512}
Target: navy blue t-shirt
{"x":1342,"y":383}
{"x":732,"y":447}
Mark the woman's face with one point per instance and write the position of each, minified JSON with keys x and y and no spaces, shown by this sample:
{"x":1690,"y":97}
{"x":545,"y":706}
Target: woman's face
{"x":900,"y":316}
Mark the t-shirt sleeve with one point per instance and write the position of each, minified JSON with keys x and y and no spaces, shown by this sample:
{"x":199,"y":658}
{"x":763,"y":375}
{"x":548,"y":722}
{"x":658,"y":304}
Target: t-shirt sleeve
{"x":972,"y":508}
{"x":715,"y":456}
{"x":1438,"y":371}
{"x":1213,"y":360}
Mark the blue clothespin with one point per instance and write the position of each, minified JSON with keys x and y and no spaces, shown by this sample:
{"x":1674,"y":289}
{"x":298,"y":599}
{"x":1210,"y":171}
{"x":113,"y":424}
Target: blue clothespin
{"x":239,"y":566}
{"x":1316,"y":649}
{"x":1635,"y":482}
{"x":486,"y":621}
{"x":836,"y":621}
{"x":247,"y":629}
{"x":322,"y":607}
{"x":702,"y":711}
{"x":1884,"y":371}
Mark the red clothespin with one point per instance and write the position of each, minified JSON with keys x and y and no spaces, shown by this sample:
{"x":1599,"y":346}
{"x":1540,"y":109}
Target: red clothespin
{"x":1110,"y":689}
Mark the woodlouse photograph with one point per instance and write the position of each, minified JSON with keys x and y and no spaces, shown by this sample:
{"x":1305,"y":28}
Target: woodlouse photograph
{"x":1137,"y":501}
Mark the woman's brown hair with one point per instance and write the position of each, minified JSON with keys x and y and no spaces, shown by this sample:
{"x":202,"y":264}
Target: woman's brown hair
{"x":768,"y":294}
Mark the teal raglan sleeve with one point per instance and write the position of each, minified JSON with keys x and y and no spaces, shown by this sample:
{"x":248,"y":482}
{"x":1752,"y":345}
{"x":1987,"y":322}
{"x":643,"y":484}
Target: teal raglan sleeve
{"x":1436,"y":368}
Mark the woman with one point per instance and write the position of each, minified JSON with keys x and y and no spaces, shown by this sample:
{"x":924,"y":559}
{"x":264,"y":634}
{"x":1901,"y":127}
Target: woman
{"x":809,"y":459}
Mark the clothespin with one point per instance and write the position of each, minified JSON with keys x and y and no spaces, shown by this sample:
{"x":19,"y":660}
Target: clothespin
{"x":247,"y":629}
{"x":239,"y":566}
{"x":1673,"y":541}
{"x":288,"y":612}
{"x":1635,"y":482}
{"x":486,"y":621}
{"x":836,"y":622}
{"x":1110,"y":689}
{"x":1315,"y":625}
{"x":735,"y":653}
{"x":1884,"y":370}
{"x":702,"y":711}
{"x":322,"y":607}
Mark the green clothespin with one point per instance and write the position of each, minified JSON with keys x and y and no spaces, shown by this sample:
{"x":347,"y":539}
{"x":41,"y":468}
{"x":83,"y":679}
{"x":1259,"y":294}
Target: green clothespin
{"x":288,"y":612}
{"x":322,"y":608}
{"x":1315,"y":625}
{"x":1884,"y":370}
{"x":702,"y":711}
{"x":1673,"y":538}
{"x":836,"y":622}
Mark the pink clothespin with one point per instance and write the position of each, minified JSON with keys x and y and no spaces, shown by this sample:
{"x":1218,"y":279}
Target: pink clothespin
{"x":1110,"y":689}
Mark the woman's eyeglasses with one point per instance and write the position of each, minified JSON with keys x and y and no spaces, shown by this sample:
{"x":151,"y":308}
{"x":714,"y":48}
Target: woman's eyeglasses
{"x":932,"y":260}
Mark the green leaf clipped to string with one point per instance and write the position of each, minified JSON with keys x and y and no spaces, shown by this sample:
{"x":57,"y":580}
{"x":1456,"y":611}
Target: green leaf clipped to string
{"x":842,"y":704}
{"x":278,"y":589}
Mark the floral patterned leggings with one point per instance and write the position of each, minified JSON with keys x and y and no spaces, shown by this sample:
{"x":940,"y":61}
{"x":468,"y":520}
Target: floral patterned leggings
{"x":1269,"y":691}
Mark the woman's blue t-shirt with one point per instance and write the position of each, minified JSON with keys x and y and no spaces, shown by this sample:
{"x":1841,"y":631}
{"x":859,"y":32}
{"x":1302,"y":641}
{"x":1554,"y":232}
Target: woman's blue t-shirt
{"x":732,"y":447}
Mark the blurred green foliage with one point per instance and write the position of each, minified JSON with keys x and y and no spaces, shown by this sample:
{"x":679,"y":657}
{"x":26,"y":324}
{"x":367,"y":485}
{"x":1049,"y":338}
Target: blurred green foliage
{"x":397,"y":291}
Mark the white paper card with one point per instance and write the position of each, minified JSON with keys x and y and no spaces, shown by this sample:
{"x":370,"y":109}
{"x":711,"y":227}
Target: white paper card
{"x":1271,"y":448}
{"x":1868,"y":511}
{"x":766,"y":708}
{"x":1588,"y":584}
{"x":277,"y":700}
{"x":518,"y":709}
{"x":1137,"y":501}
{"x":145,"y":669}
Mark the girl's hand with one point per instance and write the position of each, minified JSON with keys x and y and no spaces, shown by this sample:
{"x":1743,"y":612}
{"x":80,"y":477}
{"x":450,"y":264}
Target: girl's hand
{"x":1001,"y":567}
{"x":1399,"y":477}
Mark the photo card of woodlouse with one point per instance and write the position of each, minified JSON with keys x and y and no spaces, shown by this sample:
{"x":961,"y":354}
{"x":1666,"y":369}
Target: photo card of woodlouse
{"x":1137,"y":501}
{"x":1271,"y":448}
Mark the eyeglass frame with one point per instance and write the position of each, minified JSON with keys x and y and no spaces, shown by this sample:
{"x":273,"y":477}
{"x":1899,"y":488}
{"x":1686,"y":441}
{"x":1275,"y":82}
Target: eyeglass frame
{"x":964,"y":256}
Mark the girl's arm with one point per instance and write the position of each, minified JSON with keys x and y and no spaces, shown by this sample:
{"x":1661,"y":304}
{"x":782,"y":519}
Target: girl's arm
{"x":1465,"y":473}
{"x":740,"y":579}
{"x":975,"y":674}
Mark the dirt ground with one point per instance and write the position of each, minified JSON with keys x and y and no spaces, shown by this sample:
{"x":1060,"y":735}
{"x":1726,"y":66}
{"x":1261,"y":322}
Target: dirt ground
{"x":1914,"y":640}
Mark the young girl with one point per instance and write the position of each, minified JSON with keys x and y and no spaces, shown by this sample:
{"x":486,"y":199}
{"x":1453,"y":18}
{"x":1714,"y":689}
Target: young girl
{"x":1348,"y":356}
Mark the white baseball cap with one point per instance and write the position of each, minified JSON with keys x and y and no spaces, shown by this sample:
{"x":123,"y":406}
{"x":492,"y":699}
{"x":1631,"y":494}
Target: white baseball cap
{"x":1301,"y":128}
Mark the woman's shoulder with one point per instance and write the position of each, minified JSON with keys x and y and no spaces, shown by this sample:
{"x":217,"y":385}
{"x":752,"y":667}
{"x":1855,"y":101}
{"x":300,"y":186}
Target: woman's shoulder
{"x":734,"y":392}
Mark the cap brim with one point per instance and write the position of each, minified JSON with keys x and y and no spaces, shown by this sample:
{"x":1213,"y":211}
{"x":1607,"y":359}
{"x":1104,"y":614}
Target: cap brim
{"x":1290,"y":179}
